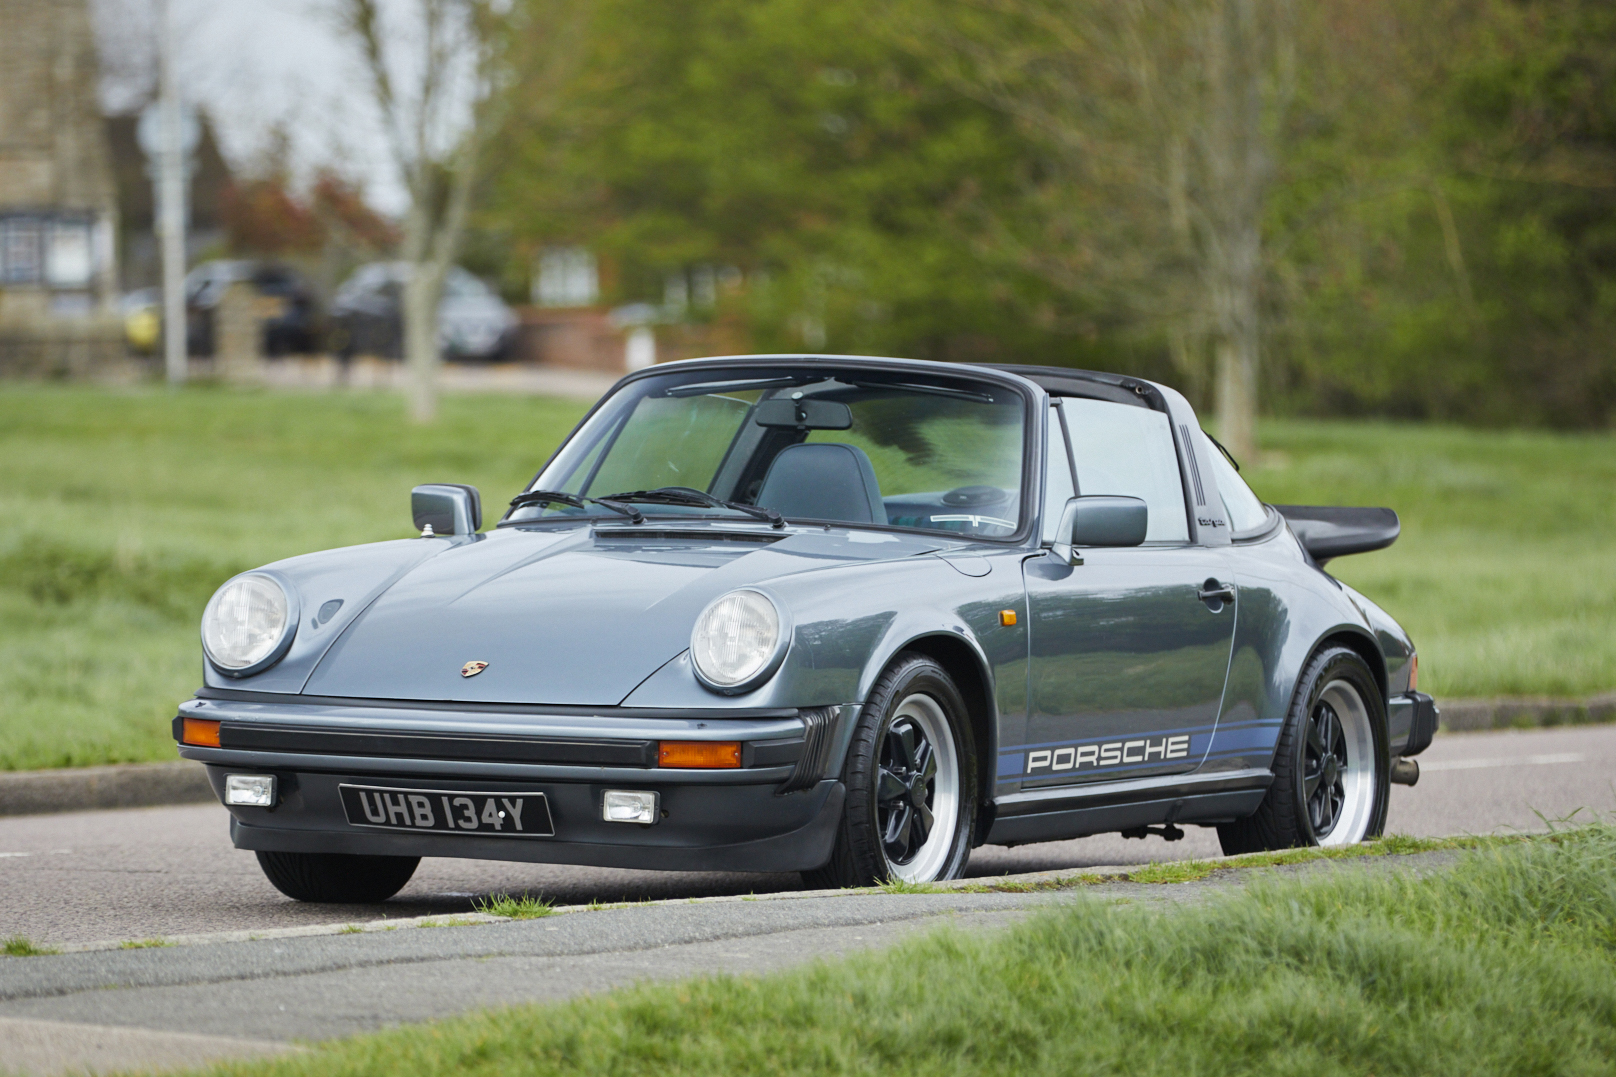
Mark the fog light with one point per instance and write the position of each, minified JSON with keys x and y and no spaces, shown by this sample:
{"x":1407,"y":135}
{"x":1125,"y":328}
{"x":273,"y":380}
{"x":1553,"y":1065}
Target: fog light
{"x":627,"y":806}
{"x":250,"y":790}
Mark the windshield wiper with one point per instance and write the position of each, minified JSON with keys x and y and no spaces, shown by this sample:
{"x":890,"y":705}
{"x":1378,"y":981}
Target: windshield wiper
{"x":707,"y":387}
{"x":557,"y":497}
{"x":687,"y":495}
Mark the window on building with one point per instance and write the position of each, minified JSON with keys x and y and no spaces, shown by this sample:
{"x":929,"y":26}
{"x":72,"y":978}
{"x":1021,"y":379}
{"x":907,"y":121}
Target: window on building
{"x":567,"y":277}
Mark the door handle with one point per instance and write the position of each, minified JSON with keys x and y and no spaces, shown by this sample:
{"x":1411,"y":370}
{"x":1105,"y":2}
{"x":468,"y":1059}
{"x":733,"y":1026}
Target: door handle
{"x":1215,"y":594}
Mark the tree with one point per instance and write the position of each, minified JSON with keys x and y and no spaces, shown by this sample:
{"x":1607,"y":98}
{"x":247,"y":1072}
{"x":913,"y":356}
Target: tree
{"x":436,"y":79}
{"x":1157,"y":121}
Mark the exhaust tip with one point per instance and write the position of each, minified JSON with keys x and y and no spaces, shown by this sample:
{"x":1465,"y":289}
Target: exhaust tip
{"x":1405,"y":772}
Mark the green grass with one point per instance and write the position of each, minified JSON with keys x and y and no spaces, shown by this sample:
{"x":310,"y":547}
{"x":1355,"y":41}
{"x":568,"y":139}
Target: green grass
{"x":144,"y":944}
{"x":523,"y":907}
{"x":124,"y":510}
{"x":1504,"y":571}
{"x":21,"y":946}
{"x":1503,"y":964}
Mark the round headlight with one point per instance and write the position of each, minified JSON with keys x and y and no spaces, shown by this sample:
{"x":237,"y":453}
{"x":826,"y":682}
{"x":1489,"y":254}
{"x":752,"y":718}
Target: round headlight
{"x":737,"y":637}
{"x":246,"y":622}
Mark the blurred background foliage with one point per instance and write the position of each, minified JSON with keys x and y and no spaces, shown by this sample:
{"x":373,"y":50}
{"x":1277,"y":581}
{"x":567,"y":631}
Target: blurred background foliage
{"x":1437,"y":231}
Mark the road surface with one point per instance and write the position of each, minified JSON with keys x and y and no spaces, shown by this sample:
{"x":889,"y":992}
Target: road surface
{"x":139,"y":873}
{"x":131,"y":875}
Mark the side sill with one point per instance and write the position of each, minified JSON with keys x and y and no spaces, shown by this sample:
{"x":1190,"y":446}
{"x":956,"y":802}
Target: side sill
{"x":1098,"y":794}
{"x":1205,"y":808}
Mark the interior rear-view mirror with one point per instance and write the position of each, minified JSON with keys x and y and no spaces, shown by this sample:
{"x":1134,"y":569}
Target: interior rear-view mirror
{"x":804,"y":414}
{"x":446,"y":508}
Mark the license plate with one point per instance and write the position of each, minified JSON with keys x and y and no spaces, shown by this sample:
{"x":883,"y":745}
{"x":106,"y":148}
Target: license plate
{"x":443,"y":811}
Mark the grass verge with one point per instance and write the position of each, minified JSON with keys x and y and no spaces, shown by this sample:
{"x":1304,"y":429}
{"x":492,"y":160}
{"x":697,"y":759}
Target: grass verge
{"x":127,"y":509}
{"x":1503,"y":964}
{"x":21,"y":946}
{"x":524,"y":907}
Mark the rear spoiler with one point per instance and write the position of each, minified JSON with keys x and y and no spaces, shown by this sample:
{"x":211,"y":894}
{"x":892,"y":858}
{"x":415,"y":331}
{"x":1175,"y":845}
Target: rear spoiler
{"x":1327,"y":531}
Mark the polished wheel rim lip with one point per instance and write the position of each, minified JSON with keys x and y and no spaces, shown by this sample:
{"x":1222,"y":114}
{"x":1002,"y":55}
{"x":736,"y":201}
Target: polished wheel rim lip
{"x":1338,"y":768}
{"x":917,"y":790}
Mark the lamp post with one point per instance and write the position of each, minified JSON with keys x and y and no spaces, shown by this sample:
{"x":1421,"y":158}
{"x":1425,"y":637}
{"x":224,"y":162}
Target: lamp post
{"x":171,"y":200}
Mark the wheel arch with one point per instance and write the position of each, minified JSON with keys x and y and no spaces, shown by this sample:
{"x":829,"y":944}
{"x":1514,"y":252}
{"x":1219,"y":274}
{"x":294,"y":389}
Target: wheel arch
{"x":1366,"y":648}
{"x":1353,"y":639}
{"x":970,"y":674}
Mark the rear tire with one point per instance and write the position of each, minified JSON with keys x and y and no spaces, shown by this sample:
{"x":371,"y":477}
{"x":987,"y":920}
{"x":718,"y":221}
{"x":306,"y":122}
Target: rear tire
{"x":1331,"y":769}
{"x":911,"y":783}
{"x":338,"y":878}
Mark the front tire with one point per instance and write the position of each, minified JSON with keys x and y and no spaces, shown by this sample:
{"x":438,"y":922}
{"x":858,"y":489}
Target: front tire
{"x":1331,"y":770}
{"x":338,"y":878}
{"x":911,"y":783}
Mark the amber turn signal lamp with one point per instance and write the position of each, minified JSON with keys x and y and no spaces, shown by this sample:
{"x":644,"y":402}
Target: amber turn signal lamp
{"x":703,"y":754}
{"x":1413,"y":672}
{"x":200,"y":732}
{"x":1007,"y":617}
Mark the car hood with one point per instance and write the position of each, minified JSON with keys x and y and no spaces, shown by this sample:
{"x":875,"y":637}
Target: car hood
{"x":571,"y":617}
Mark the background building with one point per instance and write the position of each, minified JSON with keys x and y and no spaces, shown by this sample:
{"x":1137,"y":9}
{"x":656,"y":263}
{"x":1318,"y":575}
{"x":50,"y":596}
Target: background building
{"x":58,"y":204}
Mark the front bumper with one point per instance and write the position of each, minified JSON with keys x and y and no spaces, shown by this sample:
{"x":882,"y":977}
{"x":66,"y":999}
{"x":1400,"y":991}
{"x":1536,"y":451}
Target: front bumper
{"x":777,"y":813}
{"x":707,"y":828}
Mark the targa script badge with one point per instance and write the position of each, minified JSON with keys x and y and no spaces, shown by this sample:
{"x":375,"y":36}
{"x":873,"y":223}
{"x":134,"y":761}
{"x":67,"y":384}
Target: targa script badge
{"x":471,"y":669}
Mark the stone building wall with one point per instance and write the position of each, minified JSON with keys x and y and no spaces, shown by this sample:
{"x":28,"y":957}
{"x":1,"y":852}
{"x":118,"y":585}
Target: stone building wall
{"x":58,"y":204}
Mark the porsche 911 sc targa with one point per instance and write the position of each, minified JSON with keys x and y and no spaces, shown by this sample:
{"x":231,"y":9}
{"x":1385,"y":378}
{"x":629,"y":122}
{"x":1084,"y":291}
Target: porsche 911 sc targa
{"x":850,"y":617}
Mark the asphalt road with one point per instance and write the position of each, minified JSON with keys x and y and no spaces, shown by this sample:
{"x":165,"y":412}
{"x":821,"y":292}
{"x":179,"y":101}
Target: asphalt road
{"x":96,"y":876}
{"x":135,"y":874}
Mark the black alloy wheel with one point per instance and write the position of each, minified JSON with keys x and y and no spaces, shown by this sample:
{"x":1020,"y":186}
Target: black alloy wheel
{"x":904,"y":790}
{"x":1331,"y":766}
{"x":1324,"y":769}
{"x":911,"y":779}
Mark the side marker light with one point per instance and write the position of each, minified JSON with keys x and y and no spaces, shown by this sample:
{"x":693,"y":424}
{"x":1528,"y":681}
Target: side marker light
{"x":1007,"y":617}
{"x":699,"y":754}
{"x":199,"y":732}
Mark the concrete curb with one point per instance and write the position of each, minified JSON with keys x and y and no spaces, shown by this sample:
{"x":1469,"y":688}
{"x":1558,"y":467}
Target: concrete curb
{"x":1470,"y":715}
{"x":143,"y":785}
{"x":125,"y":785}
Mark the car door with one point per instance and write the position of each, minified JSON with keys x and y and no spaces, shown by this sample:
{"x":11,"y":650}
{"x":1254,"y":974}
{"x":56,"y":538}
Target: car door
{"x":1129,"y":650}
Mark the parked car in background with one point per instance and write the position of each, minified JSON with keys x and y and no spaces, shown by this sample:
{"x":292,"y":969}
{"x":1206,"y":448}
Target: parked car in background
{"x":367,"y":315}
{"x":291,"y":318}
{"x":142,"y":311}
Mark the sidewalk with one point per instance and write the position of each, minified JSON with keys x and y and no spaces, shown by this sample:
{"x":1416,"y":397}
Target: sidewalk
{"x":323,"y":372}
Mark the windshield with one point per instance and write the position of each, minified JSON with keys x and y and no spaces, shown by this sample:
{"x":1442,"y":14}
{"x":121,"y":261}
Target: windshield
{"x":850,"y":446}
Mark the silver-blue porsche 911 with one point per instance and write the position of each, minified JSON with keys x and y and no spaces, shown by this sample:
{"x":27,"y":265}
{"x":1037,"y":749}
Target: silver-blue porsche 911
{"x":850,"y":617}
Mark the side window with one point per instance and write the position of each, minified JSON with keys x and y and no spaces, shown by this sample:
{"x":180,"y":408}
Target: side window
{"x":1057,"y":475}
{"x":1128,"y":450}
{"x":1245,"y":509}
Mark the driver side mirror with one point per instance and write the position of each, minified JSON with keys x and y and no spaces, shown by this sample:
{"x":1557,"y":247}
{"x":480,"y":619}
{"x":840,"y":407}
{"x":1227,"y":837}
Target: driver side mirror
{"x":1100,"y":520}
{"x":446,"y":508}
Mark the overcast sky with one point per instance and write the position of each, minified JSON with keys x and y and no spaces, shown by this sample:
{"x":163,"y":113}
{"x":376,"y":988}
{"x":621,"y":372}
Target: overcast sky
{"x":252,"y":64}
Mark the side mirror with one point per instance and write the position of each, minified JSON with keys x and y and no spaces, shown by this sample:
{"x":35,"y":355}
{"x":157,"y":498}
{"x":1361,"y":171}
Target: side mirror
{"x":1100,"y":520}
{"x":446,"y":508}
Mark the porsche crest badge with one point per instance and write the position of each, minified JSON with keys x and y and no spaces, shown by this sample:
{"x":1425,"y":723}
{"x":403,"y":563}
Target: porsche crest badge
{"x":471,"y":669}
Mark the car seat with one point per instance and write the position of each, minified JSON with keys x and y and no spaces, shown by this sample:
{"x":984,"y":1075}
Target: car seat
{"x":823,"y":481}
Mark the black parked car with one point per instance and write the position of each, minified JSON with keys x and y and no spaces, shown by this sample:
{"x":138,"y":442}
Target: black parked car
{"x":292,"y":320}
{"x":367,"y":315}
